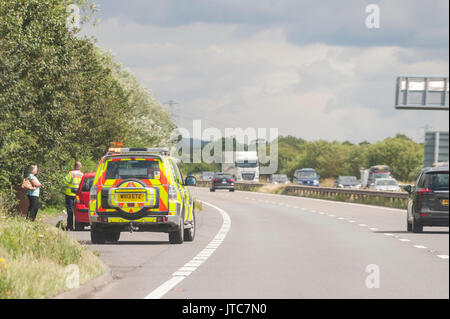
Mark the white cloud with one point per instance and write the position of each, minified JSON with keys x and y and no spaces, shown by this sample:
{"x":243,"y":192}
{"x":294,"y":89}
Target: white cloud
{"x":262,"y":80}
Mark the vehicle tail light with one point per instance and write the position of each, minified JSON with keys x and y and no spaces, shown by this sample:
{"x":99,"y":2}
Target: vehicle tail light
{"x":420,"y":194}
{"x":231,"y":180}
{"x":421,"y":191}
{"x":217,"y":180}
{"x":93,"y":193}
{"x":172,"y":192}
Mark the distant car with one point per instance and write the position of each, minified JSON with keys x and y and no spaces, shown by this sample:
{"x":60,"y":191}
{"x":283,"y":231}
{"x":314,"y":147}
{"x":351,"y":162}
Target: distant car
{"x":306,"y":176}
{"x":191,"y":180}
{"x":428,"y":200}
{"x":207,"y":176}
{"x":278,"y":179}
{"x":347,"y":182}
{"x":81,"y":207}
{"x":385,"y":184}
{"x":222,"y":181}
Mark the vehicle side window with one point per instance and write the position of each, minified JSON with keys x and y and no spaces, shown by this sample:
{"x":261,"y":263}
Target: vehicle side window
{"x":420,"y":181}
{"x":176,"y":172}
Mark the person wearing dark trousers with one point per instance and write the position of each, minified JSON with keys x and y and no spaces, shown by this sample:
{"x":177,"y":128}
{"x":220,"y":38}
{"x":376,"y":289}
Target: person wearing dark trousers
{"x":72,"y":182}
{"x":33,"y":194}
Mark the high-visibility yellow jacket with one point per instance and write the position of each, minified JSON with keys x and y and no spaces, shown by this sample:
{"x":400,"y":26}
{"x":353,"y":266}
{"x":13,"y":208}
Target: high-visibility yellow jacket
{"x":72,"y":181}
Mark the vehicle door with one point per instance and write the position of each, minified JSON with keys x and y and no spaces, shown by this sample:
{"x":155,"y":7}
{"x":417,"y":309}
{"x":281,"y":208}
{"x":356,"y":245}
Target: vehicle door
{"x":183,"y":191}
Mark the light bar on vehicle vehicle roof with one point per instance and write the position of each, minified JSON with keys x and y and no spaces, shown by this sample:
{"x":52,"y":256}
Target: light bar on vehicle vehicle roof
{"x":138,"y":151}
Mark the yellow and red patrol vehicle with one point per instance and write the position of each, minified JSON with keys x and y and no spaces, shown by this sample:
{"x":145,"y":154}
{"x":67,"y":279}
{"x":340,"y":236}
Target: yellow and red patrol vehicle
{"x":140,"y":189}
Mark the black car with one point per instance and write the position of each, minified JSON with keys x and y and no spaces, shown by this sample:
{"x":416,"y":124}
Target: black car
{"x":428,"y":199}
{"x":222,"y":181}
{"x":347,"y":182}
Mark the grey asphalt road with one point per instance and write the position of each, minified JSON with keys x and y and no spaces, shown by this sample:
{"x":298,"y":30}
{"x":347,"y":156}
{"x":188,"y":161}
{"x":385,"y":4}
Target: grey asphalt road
{"x":283,"y":247}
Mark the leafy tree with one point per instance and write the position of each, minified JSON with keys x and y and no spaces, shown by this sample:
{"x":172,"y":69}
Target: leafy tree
{"x":61,"y":99}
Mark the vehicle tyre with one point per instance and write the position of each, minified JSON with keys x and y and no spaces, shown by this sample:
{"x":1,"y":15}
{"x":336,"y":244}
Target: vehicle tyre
{"x":112,"y":236}
{"x":97,"y":237}
{"x":416,"y":226}
{"x":79,"y":226}
{"x":232,"y":190}
{"x":177,"y":236}
{"x":189,"y":234}
{"x":212,"y":190}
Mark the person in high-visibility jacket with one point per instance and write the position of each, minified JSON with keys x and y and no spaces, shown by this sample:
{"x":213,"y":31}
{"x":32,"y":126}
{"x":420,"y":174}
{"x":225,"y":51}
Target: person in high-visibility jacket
{"x":72,"y":182}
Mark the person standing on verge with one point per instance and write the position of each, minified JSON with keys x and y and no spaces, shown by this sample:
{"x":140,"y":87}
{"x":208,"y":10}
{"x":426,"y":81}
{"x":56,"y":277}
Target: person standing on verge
{"x":33,"y":194}
{"x":72,"y":182}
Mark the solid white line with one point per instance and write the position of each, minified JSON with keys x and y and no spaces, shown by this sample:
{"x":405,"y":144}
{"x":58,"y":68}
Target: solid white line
{"x":196,"y":261}
{"x":165,"y":287}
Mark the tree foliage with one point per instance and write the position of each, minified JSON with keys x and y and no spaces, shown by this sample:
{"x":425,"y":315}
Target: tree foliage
{"x":332,"y":159}
{"x":63,"y":99}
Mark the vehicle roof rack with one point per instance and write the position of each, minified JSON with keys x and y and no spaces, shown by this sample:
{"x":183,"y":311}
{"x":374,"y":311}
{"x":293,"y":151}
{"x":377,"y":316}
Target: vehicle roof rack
{"x":164,"y":151}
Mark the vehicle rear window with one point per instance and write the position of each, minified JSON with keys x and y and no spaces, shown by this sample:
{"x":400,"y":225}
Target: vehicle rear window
{"x":388,"y":182}
{"x":132,"y":169}
{"x":223,"y":176}
{"x":87,"y":184}
{"x":437,"y":181}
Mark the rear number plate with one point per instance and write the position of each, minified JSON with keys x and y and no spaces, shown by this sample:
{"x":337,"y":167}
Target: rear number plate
{"x":445,"y":202}
{"x":131,"y":198}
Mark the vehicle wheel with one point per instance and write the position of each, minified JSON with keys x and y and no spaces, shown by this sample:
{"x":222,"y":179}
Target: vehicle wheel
{"x":189,"y":234}
{"x":231,"y":190}
{"x":212,"y":190}
{"x":177,"y":236}
{"x":79,"y":226}
{"x":97,"y":237}
{"x":416,"y":226}
{"x":112,"y":236}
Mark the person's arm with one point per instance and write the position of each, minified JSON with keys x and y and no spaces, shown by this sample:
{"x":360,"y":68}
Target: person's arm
{"x":35,"y":182}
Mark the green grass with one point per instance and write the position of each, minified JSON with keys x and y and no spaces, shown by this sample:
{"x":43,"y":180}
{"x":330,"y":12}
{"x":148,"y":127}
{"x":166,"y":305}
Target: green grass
{"x":198,"y":205}
{"x":34,"y":257}
{"x":50,"y":211}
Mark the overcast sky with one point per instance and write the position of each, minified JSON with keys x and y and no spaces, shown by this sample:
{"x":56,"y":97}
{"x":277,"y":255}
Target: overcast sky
{"x":310,"y":68}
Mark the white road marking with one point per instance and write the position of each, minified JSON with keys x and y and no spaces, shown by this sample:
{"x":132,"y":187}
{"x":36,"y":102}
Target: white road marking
{"x":329,"y":201}
{"x":420,"y":246}
{"x":387,"y":234}
{"x":443,"y":256}
{"x":373,"y":229}
{"x":363,"y":225}
{"x":195,"y":262}
{"x":404,"y":239}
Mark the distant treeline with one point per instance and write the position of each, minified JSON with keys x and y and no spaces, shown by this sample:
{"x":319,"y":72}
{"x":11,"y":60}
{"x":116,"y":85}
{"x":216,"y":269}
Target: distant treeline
{"x":63,"y":99}
{"x":332,"y":159}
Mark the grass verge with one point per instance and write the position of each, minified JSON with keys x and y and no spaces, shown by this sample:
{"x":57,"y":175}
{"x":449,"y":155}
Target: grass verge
{"x":34,"y":259}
